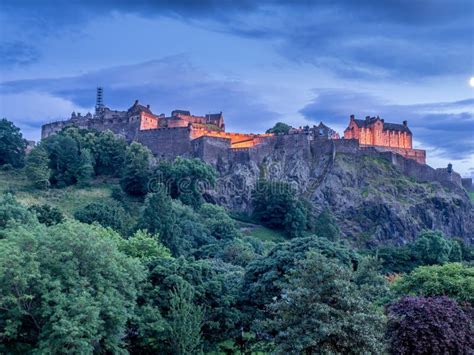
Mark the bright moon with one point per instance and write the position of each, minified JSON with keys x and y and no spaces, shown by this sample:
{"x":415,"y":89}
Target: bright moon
{"x":471,"y":81}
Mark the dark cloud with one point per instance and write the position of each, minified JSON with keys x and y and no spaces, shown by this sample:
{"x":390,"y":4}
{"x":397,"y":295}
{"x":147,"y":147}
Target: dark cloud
{"x":17,"y":53}
{"x":369,"y":38}
{"x":166,"y":84}
{"x":448,"y":126}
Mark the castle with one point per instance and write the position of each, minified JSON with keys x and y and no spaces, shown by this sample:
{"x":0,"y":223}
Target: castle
{"x":183,"y":133}
{"x":374,"y":131}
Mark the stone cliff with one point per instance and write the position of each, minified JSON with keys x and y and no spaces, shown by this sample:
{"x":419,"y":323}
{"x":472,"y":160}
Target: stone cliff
{"x":374,"y":200}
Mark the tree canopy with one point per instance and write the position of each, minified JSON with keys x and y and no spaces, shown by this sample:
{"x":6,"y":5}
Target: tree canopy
{"x":65,"y":287}
{"x":322,"y":310}
{"x":12,"y":144}
{"x":279,"y":128}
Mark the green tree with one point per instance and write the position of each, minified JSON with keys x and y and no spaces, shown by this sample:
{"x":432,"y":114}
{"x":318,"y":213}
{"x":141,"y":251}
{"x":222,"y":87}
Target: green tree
{"x":276,"y":206}
{"x":37,"y":167}
{"x":64,"y":159}
{"x":179,"y":226}
{"x":185,"y":320}
{"x":326,"y":226}
{"x":186,"y":179}
{"x":144,"y":246}
{"x":106,"y":214}
{"x":12,"y":144}
{"x":46,"y":214}
{"x":109,"y":153}
{"x":216,"y":288}
{"x":321,"y":310}
{"x":85,"y":170}
{"x":12,"y":212}
{"x":266,"y":276}
{"x":157,"y":215}
{"x":431,"y":247}
{"x":65,"y":289}
{"x":136,"y":172}
{"x":219,"y":223}
{"x":454,"y":280}
{"x":279,"y":128}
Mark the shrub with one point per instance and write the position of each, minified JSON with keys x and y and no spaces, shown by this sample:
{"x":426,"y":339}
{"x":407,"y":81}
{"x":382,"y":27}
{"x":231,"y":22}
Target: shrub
{"x":186,"y":179}
{"x":46,"y":214}
{"x":117,"y":194}
{"x":454,"y":280}
{"x":326,"y":226}
{"x":106,"y":214}
{"x":276,"y":206}
{"x":431,"y":325}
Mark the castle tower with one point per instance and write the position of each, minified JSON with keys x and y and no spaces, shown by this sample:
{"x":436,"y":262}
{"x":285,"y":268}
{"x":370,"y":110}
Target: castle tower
{"x":99,"y":102}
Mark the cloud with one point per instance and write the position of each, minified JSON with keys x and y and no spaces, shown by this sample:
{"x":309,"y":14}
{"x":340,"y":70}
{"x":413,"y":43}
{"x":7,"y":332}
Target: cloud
{"x":447,"y":128}
{"x":367,"y":38}
{"x":29,"y":110}
{"x":166,"y":84}
{"x":17,"y":53}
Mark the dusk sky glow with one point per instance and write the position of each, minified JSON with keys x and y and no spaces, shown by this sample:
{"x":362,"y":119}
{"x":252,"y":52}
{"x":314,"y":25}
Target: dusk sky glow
{"x":300,"y":62}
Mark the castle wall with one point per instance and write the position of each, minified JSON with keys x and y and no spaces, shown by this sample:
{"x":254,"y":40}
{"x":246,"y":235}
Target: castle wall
{"x":148,"y":121}
{"x":211,"y":149}
{"x":166,"y":142}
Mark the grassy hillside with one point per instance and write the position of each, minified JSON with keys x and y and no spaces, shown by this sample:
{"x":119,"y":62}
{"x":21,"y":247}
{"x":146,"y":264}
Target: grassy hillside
{"x":68,"y":199}
{"x":73,"y":198}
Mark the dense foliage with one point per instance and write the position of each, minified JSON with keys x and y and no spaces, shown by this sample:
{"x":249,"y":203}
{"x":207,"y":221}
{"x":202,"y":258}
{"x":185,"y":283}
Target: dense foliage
{"x":106,"y":214}
{"x":147,"y":266}
{"x":325,"y":226}
{"x":64,"y":287}
{"x":279,"y":128}
{"x":432,"y":325}
{"x":46,"y":214}
{"x":37,"y":167}
{"x":136,"y":171}
{"x":12,"y":144}
{"x":322,"y":310}
{"x":429,"y":248}
{"x":454,"y":280}
{"x":186,"y":179}
{"x":276,"y":205}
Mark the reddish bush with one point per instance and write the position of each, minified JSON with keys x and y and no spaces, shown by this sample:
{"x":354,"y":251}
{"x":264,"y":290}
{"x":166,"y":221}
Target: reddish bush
{"x":429,"y":325}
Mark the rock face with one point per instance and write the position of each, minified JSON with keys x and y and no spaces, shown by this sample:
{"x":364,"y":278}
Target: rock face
{"x":372,"y":200}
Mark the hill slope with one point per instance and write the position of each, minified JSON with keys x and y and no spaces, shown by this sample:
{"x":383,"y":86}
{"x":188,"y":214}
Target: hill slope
{"x":371,"y":199}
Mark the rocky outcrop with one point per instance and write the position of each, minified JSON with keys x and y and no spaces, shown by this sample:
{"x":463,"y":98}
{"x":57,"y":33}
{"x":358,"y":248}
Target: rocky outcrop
{"x":373,"y":201}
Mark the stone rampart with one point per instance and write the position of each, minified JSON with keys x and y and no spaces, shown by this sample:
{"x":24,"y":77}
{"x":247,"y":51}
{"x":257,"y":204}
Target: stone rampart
{"x":166,"y":142}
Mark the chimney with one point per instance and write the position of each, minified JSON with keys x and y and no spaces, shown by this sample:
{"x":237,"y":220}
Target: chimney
{"x":136,"y":102}
{"x":148,"y":106}
{"x":405,"y":123}
{"x":352,"y":117}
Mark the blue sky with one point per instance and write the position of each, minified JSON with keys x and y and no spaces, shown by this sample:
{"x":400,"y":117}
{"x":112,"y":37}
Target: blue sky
{"x":259,"y":62}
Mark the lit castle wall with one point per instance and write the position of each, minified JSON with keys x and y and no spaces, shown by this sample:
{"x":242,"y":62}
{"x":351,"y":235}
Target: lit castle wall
{"x":374,"y":131}
{"x":183,"y":133}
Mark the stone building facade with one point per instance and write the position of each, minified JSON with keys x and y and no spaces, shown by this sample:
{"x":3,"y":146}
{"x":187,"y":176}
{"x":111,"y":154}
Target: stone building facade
{"x":375,"y":132}
{"x":186,"y":134}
